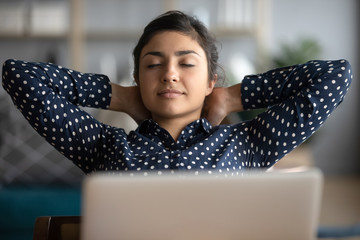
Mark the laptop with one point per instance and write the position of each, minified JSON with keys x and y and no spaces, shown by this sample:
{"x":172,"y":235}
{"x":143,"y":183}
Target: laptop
{"x":271,"y":205}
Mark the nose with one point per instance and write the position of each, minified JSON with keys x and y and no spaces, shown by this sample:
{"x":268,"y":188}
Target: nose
{"x":171,"y":74}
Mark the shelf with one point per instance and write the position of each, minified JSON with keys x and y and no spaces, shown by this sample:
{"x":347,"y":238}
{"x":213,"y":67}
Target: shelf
{"x":34,"y":20}
{"x":10,"y":36}
{"x":120,"y":34}
{"x":135,"y":34}
{"x":233,"y":32}
{"x":113,"y":35}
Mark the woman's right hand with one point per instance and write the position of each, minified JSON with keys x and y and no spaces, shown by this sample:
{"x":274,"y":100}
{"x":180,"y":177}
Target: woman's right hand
{"x":128,"y":100}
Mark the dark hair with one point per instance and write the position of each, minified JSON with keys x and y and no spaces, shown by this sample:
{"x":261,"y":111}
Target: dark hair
{"x":183,"y":23}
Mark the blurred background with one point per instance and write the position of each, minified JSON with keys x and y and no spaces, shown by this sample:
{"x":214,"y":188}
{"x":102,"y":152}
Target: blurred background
{"x":99,"y":36}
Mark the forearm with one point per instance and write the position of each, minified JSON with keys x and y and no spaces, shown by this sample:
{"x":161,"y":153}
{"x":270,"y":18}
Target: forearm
{"x":117,"y":93}
{"x":30,"y":80}
{"x":310,"y":82}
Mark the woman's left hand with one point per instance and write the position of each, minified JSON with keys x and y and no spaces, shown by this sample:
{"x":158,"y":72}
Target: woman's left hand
{"x":221,"y":102}
{"x":213,"y":109}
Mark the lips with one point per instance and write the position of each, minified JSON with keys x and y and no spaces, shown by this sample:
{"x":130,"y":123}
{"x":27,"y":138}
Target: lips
{"x":170,"y":93}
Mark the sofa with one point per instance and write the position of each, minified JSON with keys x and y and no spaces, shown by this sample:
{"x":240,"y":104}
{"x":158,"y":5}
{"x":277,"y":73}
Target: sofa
{"x":35,"y":180}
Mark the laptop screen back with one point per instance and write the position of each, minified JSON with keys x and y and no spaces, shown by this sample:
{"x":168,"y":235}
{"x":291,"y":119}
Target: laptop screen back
{"x":252,"y":206}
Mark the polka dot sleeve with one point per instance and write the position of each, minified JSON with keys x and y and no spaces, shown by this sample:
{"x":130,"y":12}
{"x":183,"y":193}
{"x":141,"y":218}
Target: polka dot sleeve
{"x":298,"y":100}
{"x":49,"y":95}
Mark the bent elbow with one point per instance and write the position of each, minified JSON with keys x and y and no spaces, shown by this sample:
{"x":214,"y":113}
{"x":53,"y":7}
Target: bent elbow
{"x":8,"y":73}
{"x":347,"y":71}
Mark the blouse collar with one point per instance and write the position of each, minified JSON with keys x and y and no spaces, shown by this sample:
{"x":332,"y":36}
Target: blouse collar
{"x":150,"y":127}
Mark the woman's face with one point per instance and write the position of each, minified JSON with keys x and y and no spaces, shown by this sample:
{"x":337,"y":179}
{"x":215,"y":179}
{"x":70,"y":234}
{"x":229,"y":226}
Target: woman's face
{"x":173,"y":77}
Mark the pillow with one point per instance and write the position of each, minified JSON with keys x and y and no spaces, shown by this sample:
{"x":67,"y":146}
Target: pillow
{"x":25,"y":157}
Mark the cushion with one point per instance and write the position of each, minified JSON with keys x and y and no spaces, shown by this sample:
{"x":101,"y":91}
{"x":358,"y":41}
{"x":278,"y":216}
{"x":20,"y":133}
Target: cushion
{"x":25,"y":157}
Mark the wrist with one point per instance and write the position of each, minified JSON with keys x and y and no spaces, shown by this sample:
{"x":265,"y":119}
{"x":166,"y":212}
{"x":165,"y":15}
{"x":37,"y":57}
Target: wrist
{"x":233,"y":99}
{"x":117,"y":93}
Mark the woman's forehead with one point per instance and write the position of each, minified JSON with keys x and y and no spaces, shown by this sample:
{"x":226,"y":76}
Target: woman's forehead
{"x":171,"y":41}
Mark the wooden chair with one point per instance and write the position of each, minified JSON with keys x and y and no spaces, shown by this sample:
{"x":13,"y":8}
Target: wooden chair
{"x":57,"y":228}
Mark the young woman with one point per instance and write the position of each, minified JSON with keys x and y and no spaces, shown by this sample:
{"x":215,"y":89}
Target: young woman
{"x":176,"y":105}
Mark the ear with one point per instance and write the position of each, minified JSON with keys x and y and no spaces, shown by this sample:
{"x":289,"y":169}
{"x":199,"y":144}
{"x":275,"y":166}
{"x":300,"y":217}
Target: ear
{"x":211,"y":85}
{"x":136,"y":80}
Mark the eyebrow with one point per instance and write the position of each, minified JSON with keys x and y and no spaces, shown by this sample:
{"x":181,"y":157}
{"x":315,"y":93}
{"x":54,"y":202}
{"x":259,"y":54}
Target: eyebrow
{"x":178,"y":53}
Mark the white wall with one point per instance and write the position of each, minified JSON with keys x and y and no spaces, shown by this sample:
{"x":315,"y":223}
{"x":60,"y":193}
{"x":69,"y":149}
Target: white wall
{"x":334,"y":23}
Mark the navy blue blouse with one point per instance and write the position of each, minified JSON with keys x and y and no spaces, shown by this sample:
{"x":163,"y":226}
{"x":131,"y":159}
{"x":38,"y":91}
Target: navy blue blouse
{"x":298,"y":100}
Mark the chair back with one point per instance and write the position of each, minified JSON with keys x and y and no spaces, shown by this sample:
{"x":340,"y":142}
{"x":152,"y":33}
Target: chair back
{"x":57,"y":228}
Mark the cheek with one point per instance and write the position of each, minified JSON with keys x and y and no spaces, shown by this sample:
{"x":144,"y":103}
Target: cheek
{"x":146,"y":88}
{"x":143,"y":79}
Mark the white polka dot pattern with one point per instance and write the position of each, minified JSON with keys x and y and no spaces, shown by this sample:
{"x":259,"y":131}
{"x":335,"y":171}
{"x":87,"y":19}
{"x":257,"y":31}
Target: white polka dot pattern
{"x":299,"y":99}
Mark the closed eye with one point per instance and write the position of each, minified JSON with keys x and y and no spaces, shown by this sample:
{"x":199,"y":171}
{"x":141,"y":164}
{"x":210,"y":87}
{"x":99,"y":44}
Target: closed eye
{"x":187,"y":65}
{"x":153,"y":65}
